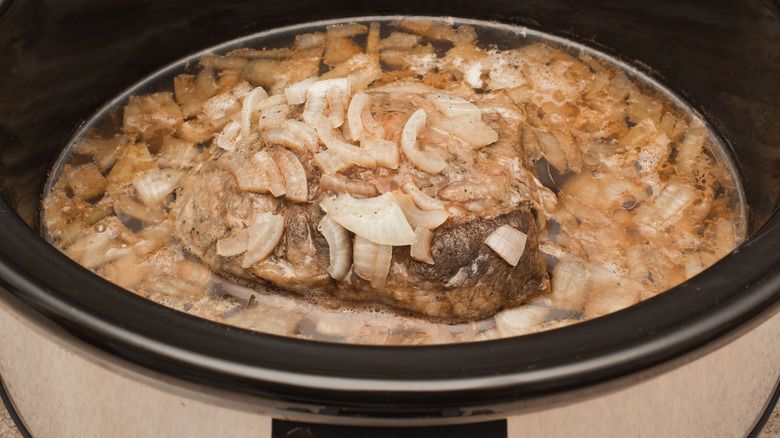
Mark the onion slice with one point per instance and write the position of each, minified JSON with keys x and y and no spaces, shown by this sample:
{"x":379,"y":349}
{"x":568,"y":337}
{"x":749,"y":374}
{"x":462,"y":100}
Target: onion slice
{"x":317,"y":98}
{"x":385,"y":152}
{"x":350,"y":153}
{"x":338,"y":247}
{"x":341,"y":184}
{"x":263,"y":236}
{"x":508,"y":242}
{"x":429,"y":161}
{"x":378,"y":219}
{"x":250,"y":102}
{"x":154,"y":186}
{"x":454,"y":106}
{"x":294,"y":135}
{"x":372,"y":261}
{"x":420,"y":218}
{"x":276,"y":182}
{"x":356,"y":105}
{"x":421,"y":248}
{"x":296,"y":93}
{"x":234,"y":244}
{"x":329,"y":162}
{"x":420,"y":199}
{"x":296,"y":185}
{"x":230,"y":136}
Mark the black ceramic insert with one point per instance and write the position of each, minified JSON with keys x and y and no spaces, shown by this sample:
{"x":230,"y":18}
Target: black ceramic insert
{"x":61,"y":61}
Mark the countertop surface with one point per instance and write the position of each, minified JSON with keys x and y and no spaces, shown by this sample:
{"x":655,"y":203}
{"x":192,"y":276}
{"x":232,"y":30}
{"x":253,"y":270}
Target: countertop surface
{"x":8,"y":429}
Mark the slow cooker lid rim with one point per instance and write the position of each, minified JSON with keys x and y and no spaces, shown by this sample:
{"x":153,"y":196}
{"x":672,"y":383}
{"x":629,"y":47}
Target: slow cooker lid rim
{"x":69,"y":309}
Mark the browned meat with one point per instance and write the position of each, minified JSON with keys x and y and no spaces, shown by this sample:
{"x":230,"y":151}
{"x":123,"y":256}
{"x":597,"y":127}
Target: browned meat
{"x":459,"y":278}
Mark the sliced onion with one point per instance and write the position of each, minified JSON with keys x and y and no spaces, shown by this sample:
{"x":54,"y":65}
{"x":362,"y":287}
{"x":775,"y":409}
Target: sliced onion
{"x":420,"y":218}
{"x":672,"y":200}
{"x":329,"y":162}
{"x":385,"y":152}
{"x":341,"y":184}
{"x":370,"y":124}
{"x":378,"y":219}
{"x":356,"y":105}
{"x":454,"y":106}
{"x":508,"y":242}
{"x":421,"y":248}
{"x":420,"y":199}
{"x":230,"y":136}
{"x":296,"y":184}
{"x":317,"y":98}
{"x":263,"y":236}
{"x":571,"y":282}
{"x":430,"y":161}
{"x":154,"y":186}
{"x":338,"y":247}
{"x":276,"y":182}
{"x":296,"y":93}
{"x":336,"y":104}
{"x":294,"y":135}
{"x":234,"y":244}
{"x":250,"y":102}
{"x":473,"y":131}
{"x":273,"y":117}
{"x":250,"y":175}
{"x":271,"y":101}
{"x":350,"y":153}
{"x":194,"y":131}
{"x":372,"y":261}
{"x":520,"y":320}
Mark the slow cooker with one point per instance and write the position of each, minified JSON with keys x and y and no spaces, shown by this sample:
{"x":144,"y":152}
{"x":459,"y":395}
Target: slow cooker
{"x":80,"y":357}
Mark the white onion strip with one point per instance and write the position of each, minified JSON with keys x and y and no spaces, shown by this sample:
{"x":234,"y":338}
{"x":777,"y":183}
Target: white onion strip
{"x":350,"y":153}
{"x":154,"y":186}
{"x":296,"y":185}
{"x":276,"y":182}
{"x":341,"y":184}
{"x":420,"y":218}
{"x":385,"y":152}
{"x":250,"y":102}
{"x":264,"y":234}
{"x":356,"y":105}
{"x":372,"y":261}
{"x":317,"y":98}
{"x":234,"y":244}
{"x":378,"y":219}
{"x":508,"y":242}
{"x":329,"y":162}
{"x":429,"y":161}
{"x":296,"y":93}
{"x":420,"y":199}
{"x":338,"y":247}
{"x":294,"y":135}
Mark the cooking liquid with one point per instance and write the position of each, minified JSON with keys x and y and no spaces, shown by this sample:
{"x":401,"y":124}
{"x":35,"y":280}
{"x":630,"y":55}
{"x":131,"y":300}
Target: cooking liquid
{"x":609,"y":240}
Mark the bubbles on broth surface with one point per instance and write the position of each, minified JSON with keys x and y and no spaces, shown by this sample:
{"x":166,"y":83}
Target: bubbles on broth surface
{"x":634,"y":193}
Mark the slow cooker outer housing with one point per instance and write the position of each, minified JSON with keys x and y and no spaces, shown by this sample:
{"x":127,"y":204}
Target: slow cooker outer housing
{"x":61,"y":61}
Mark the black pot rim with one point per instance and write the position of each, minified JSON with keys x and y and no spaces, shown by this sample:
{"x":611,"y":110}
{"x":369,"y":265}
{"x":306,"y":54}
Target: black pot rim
{"x":736,"y":290}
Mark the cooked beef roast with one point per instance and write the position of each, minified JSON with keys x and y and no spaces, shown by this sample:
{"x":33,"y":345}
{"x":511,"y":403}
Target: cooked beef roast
{"x":479,"y":189}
